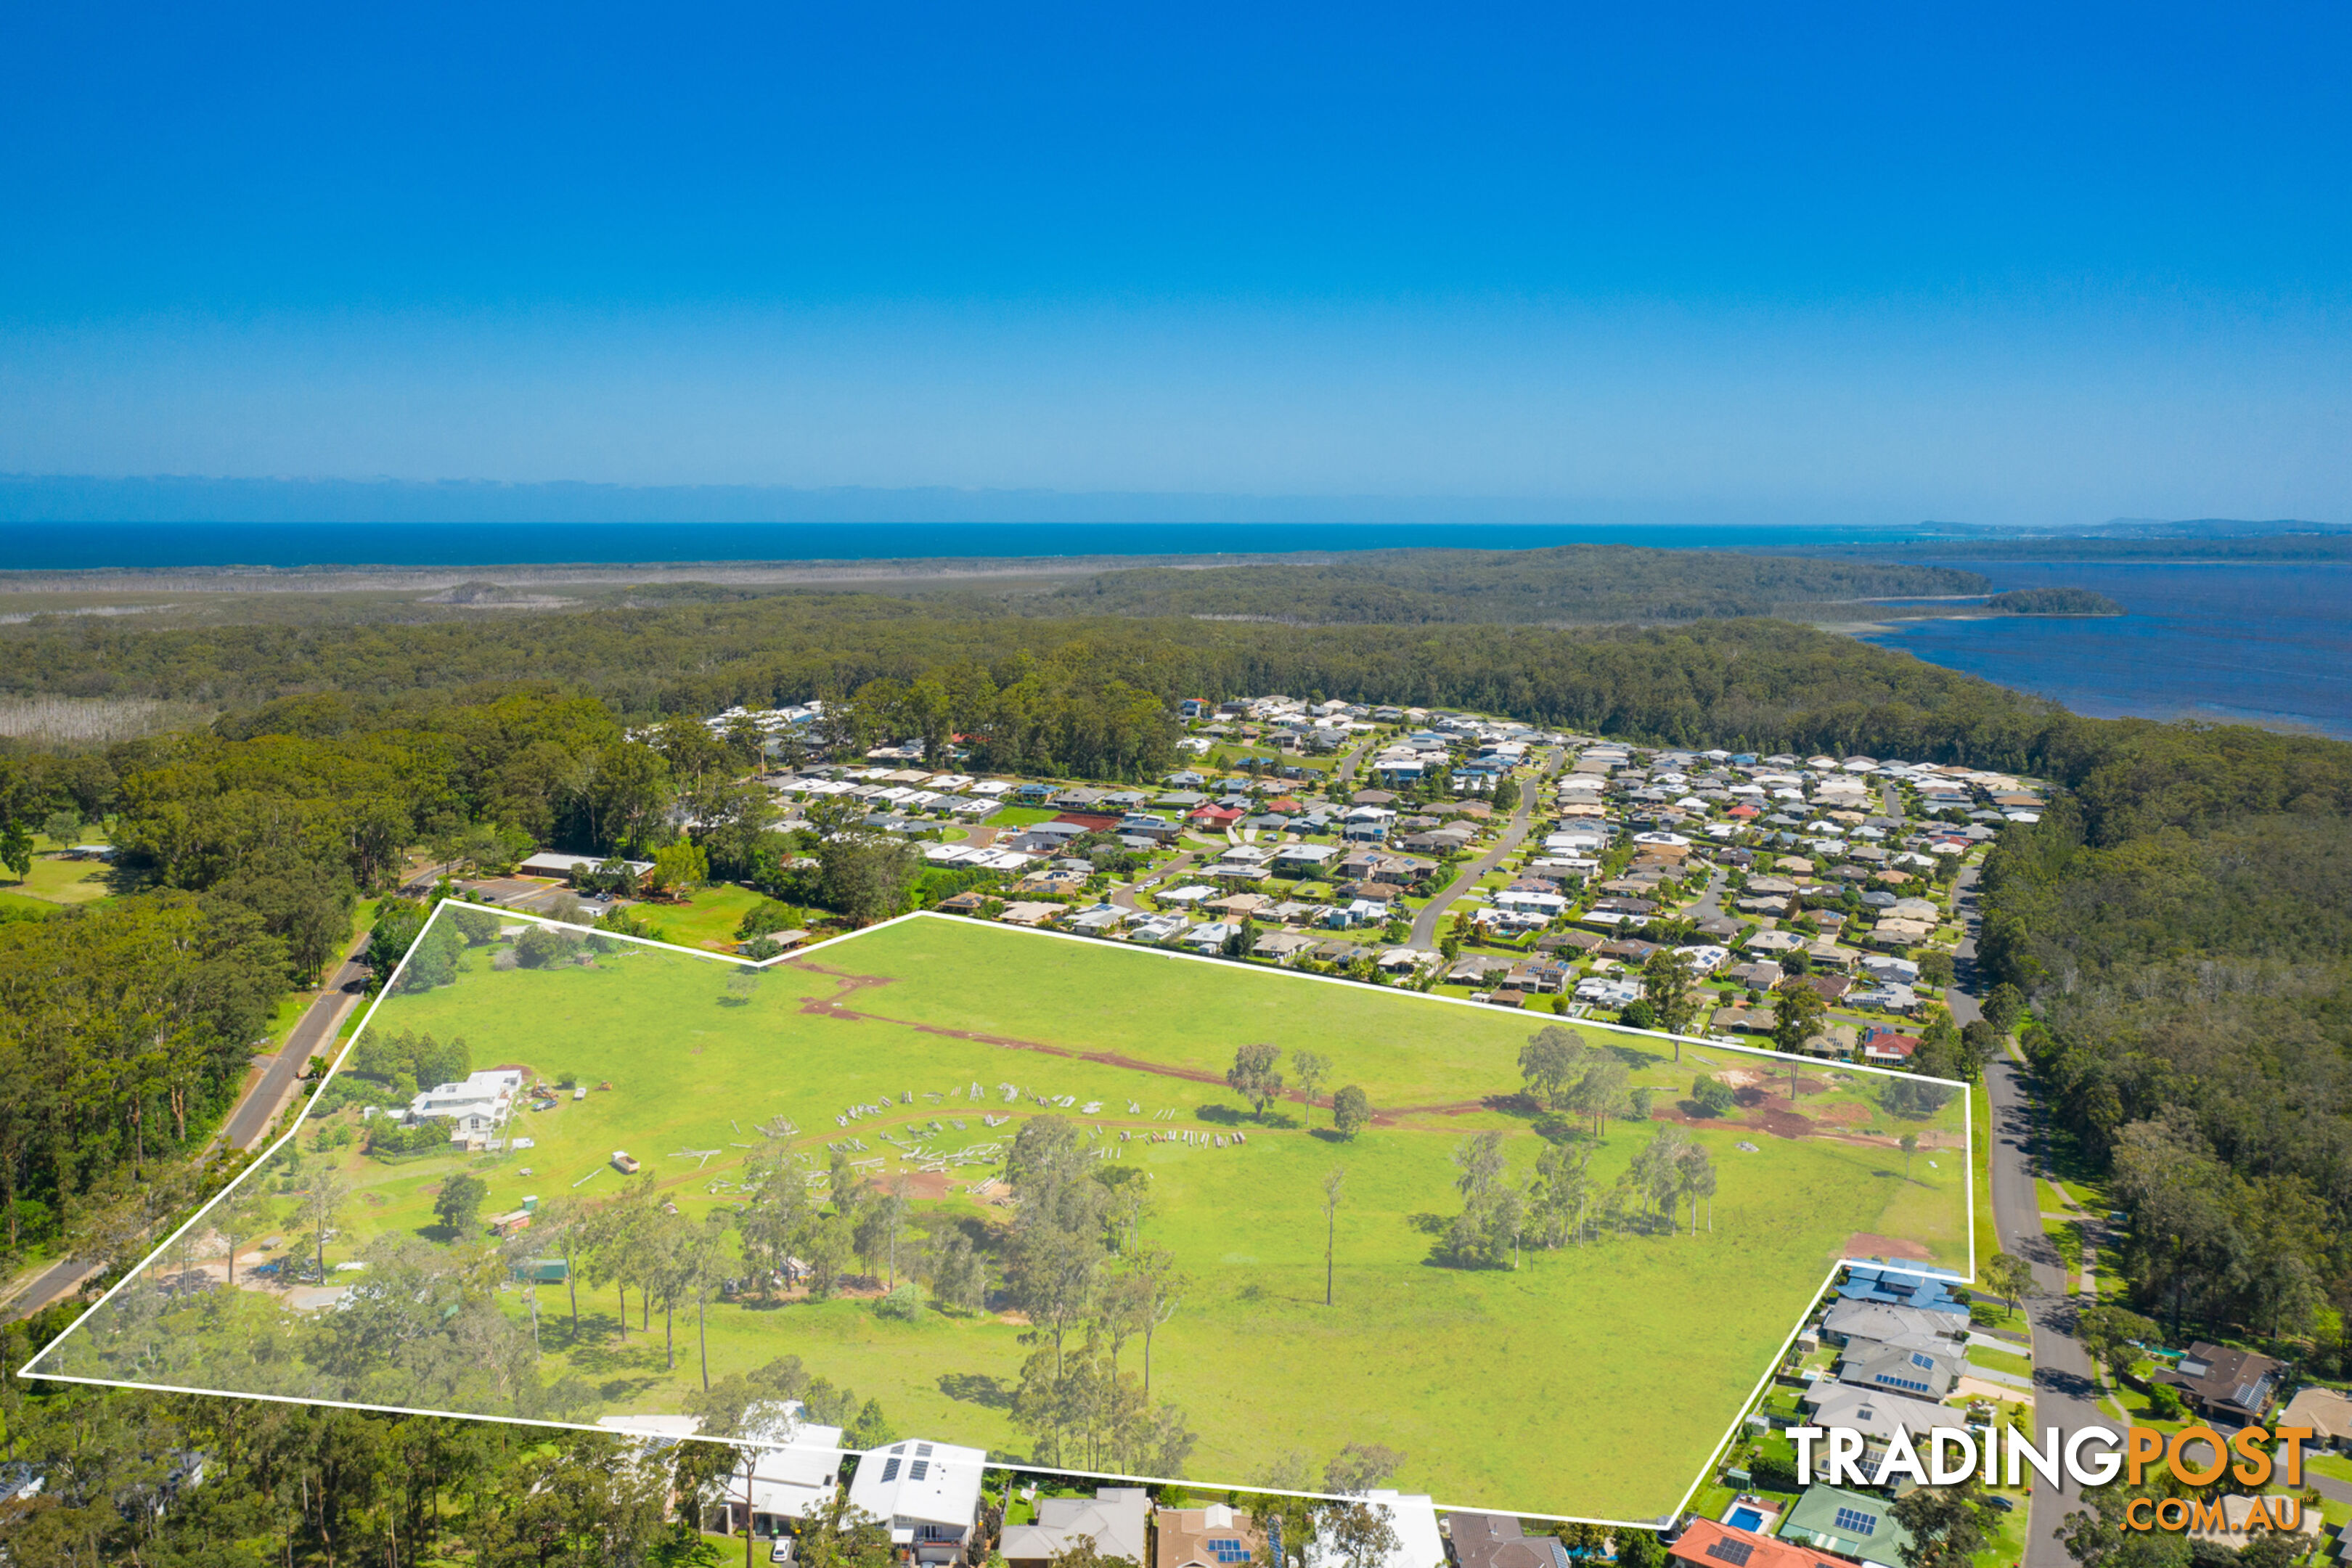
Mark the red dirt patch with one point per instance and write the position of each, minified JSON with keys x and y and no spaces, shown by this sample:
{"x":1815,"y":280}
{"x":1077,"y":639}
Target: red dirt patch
{"x":926,"y":1184}
{"x":1780,"y":1121}
{"x":1844,"y":1115}
{"x":1864,"y":1244}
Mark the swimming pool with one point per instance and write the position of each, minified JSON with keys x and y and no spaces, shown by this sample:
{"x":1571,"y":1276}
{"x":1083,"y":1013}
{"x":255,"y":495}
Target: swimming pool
{"x":1744,"y":1518}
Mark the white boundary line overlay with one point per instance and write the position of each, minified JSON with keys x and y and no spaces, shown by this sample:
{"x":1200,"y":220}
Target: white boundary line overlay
{"x":392,"y":984}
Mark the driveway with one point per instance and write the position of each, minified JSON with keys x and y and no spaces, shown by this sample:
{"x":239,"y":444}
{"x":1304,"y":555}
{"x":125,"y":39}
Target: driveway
{"x":1125,"y":898}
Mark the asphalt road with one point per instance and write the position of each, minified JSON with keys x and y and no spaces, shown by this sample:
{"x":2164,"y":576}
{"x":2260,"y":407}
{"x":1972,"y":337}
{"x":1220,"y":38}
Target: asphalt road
{"x":2066,"y":1393}
{"x":1425,"y":924}
{"x":1352,"y":761}
{"x":316,"y":1029}
{"x":58,"y":1280}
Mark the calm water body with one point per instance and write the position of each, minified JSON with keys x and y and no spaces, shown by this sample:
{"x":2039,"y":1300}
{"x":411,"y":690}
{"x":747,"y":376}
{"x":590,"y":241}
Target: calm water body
{"x":2258,"y":644}
{"x":90,"y":546}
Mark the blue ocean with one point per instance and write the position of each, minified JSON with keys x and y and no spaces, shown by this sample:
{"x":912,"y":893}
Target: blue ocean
{"x":2263,"y":644}
{"x":93,"y":546}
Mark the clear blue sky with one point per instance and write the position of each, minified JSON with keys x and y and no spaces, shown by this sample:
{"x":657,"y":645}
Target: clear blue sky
{"x":1999,"y":265}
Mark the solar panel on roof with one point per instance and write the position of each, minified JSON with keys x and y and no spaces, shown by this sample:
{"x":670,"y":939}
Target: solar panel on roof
{"x":918,"y":1469}
{"x":890,"y":1470}
{"x":1735,"y":1552}
{"x":1853,"y":1522}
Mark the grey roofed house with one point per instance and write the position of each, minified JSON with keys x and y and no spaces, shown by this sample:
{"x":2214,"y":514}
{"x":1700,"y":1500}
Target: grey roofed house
{"x":1497,"y":1541}
{"x":1890,"y":1325}
{"x":1116,"y":1519}
{"x":1283,"y":946}
{"x":1875,"y":1413}
{"x":1923,"y":1373}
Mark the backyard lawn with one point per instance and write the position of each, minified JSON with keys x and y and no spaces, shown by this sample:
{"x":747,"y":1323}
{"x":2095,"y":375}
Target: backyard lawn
{"x":1504,"y":1387}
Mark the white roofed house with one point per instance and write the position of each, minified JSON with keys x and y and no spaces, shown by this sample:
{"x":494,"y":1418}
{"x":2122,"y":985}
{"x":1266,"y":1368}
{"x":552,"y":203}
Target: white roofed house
{"x":927,"y":1494}
{"x":1414,"y":1519}
{"x":794,"y":1471}
{"x":475,"y":1109}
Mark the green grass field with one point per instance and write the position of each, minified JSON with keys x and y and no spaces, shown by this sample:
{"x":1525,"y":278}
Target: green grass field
{"x":1508,"y":1388}
{"x":707,"y":919}
{"x":56,"y":880}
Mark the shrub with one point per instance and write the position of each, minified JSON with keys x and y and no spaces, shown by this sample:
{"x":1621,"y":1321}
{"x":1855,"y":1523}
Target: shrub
{"x":385,"y":1138}
{"x":542,"y":948}
{"x":766,"y":916}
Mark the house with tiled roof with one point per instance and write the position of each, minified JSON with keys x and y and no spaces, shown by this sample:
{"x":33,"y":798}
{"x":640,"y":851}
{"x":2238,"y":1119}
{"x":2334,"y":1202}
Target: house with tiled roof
{"x":1217,"y":1536}
{"x":1710,"y":1544}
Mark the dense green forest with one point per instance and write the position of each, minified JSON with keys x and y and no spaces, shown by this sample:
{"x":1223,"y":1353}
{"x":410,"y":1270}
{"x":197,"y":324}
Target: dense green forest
{"x":2193,"y":993}
{"x":2054,"y":602}
{"x":1573,"y":583}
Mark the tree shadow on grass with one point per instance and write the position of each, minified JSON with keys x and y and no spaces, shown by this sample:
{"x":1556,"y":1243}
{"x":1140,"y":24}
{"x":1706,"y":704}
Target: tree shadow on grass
{"x":976,"y":1388}
{"x":1219,"y":1115}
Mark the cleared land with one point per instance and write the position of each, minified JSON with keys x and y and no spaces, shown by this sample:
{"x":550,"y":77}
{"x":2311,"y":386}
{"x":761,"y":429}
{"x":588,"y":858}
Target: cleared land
{"x":1508,"y":1388}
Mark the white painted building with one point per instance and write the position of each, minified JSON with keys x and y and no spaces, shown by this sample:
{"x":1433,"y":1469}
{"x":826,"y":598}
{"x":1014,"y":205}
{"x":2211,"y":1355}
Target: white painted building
{"x":926,"y":1493}
{"x":476,"y":1108}
{"x":1414,"y":1519}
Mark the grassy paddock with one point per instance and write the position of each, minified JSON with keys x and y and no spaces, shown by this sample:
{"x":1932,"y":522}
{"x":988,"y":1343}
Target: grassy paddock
{"x":1506,"y":1388}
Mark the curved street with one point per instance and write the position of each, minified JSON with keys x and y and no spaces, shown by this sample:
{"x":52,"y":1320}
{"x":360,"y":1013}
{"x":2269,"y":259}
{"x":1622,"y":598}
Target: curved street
{"x":1425,"y":924}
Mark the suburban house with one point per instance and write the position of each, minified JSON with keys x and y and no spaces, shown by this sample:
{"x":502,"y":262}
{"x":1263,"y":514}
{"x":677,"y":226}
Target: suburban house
{"x":1420,"y":1543}
{"x":1888,"y":1049}
{"x":1852,"y":1524}
{"x":927,"y":1493}
{"x":1497,"y":1540}
{"x":2222,"y":1383}
{"x":1875,"y":1413}
{"x":1895,"y":1288}
{"x":1708,"y":1545}
{"x":793,"y":1473}
{"x":1929,"y":1374}
{"x":1116,"y":1519}
{"x":1905,"y":1326}
{"x":2327,"y":1412}
{"x":1301,"y":859}
{"x":475,"y":1109}
{"x":1216,"y":1536}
